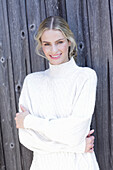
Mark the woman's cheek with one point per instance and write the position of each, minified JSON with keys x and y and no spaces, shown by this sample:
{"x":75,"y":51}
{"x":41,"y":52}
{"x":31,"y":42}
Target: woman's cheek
{"x":64,"y":47}
{"x":45,"y":51}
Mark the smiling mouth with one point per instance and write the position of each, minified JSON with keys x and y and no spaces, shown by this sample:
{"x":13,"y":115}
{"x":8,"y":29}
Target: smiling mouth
{"x":55,"y":56}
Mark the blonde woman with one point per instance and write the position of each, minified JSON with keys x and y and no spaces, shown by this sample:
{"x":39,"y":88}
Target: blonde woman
{"x":56,"y":105}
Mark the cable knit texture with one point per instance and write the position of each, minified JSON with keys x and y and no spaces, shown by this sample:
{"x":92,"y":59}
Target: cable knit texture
{"x":61,"y":103}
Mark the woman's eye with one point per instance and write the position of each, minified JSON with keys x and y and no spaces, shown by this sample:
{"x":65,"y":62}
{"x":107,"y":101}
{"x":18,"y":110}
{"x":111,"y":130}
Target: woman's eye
{"x":60,"y":42}
{"x":46,"y":44}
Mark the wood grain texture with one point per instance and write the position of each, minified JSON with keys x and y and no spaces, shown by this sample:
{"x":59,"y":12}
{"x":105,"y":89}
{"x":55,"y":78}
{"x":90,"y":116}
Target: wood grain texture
{"x":92,"y":24}
{"x":100,"y":40}
{"x":7,"y":99}
{"x":2,"y":157}
{"x":77,"y":19}
{"x":35,"y":14}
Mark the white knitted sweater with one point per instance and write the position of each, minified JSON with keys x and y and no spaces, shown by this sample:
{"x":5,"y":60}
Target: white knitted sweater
{"x":61,"y":103}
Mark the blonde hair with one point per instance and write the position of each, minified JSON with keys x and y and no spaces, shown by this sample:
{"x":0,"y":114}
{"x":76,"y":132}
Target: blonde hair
{"x":56,"y":23}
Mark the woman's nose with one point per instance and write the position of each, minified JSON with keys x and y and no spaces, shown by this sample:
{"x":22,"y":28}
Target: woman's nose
{"x":54,"y":49}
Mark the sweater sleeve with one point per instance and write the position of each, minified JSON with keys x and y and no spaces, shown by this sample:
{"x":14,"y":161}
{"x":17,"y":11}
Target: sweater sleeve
{"x":69,"y":133}
{"x":36,"y":140}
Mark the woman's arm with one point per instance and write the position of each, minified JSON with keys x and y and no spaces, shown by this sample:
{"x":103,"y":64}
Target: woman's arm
{"x":28,"y":135}
{"x":36,"y":142}
{"x":71,"y":131}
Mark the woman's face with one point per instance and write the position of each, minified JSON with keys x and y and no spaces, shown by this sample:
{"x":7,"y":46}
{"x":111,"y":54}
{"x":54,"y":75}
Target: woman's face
{"x":55,"y":46}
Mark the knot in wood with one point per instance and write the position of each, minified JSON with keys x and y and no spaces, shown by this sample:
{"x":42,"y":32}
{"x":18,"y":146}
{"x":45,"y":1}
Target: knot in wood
{"x":11,"y":145}
{"x":2,"y":60}
{"x":81,"y":46}
{"x":22,"y":34}
{"x":18,"y":88}
{"x":32,"y":27}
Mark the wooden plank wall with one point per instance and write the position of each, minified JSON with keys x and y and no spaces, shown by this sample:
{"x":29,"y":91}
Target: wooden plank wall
{"x":92,"y":23}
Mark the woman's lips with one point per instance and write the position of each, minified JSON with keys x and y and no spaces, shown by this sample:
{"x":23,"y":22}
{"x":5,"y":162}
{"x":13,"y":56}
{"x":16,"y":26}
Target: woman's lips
{"x":56,"y":56}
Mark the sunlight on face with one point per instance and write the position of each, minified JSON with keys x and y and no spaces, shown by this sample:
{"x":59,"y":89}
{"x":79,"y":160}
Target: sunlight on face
{"x":55,"y":46}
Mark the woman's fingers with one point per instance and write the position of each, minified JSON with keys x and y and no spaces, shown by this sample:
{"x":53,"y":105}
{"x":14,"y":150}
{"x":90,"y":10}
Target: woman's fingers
{"x":23,"y":108}
{"x":19,"y":119}
{"x":91,"y":150}
{"x":92,"y":139}
{"x":90,"y":132}
{"x":89,"y":144}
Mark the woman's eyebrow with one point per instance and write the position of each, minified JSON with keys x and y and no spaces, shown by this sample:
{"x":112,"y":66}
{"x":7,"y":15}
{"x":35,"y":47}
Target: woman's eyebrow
{"x":60,"y":39}
{"x":55,"y":41}
{"x":45,"y":42}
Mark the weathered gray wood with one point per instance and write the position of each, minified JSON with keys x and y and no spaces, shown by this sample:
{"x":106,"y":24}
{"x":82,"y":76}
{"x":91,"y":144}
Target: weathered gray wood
{"x":55,"y":8}
{"x":76,"y":17}
{"x":20,"y":58}
{"x":62,"y":9}
{"x":110,"y":2}
{"x":95,"y":47}
{"x":110,"y":90}
{"x":35,"y":14}
{"x":110,"y":116}
{"x":2,"y":158}
{"x":52,"y":7}
{"x":7,"y":100}
{"x":101,"y":51}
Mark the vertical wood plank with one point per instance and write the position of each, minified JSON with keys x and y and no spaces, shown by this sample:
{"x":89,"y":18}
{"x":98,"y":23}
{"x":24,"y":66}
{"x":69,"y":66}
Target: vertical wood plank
{"x":20,"y":59}
{"x":110,"y":116}
{"x":62,"y":9}
{"x":110,"y":90}
{"x":7,"y":99}
{"x":77,"y":20}
{"x":2,"y":156}
{"x":35,"y":14}
{"x":101,"y":51}
{"x":111,"y":14}
{"x":95,"y":47}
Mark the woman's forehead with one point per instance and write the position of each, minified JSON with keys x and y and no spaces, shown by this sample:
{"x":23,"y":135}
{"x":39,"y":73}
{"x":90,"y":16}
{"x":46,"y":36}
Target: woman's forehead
{"x":52,"y":34}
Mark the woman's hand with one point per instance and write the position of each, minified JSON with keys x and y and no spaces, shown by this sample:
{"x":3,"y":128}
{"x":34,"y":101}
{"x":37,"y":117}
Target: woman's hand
{"x":20,"y":117}
{"x":90,"y":142}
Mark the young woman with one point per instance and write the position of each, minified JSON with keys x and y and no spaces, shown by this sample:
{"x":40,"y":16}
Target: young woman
{"x":56,"y":105}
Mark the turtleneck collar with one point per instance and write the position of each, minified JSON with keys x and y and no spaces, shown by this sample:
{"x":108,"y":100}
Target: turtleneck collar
{"x":62,"y":70}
